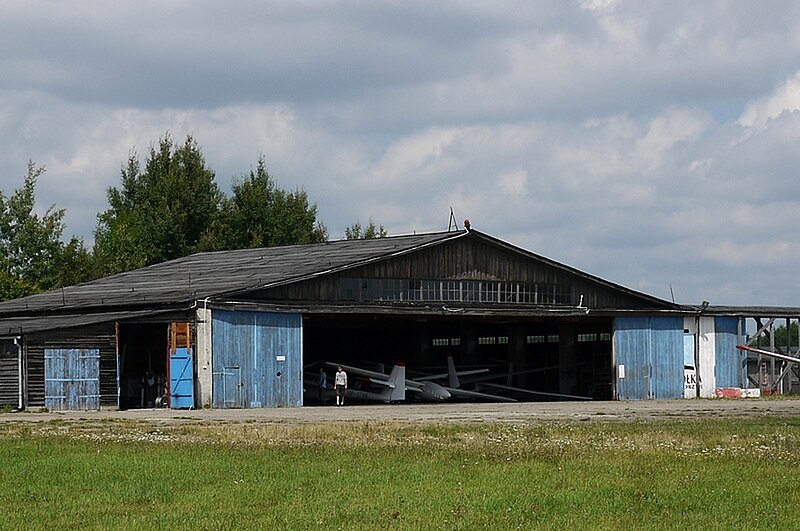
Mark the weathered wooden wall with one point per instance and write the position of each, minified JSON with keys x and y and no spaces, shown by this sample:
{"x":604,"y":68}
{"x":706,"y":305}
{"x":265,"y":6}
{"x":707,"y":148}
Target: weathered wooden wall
{"x":463,"y":259}
{"x":9,"y":373}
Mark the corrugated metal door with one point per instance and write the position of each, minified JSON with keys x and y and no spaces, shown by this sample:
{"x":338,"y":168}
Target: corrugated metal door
{"x":72,"y":379}
{"x":181,"y":379}
{"x":666,"y":358}
{"x":649,"y":357}
{"x":266,"y":350}
{"x":728,"y":366}
{"x":631,"y":350}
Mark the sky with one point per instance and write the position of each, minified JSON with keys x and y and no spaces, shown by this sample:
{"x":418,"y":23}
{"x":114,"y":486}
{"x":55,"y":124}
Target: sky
{"x":653,"y":144}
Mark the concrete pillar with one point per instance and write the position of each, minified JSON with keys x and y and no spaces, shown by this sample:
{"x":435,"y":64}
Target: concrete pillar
{"x":203,"y":383}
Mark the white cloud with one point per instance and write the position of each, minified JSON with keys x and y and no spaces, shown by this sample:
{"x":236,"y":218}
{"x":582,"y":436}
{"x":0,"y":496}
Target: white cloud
{"x":514,"y":183}
{"x":646,"y":143}
{"x":784,"y":99}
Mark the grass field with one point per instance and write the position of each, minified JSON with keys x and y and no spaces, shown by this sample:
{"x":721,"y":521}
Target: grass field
{"x":669,"y":474}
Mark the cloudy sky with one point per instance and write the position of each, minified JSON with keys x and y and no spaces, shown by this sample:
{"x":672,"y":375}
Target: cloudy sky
{"x":654,"y":144}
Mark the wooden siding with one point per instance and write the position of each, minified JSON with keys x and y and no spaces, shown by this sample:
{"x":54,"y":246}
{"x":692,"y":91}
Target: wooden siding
{"x":461,"y":259}
{"x":9,"y":373}
{"x":101,"y":337}
{"x":257,"y":359}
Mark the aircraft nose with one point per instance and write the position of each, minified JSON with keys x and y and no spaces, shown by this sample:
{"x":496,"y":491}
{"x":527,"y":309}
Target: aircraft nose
{"x":444,"y":395}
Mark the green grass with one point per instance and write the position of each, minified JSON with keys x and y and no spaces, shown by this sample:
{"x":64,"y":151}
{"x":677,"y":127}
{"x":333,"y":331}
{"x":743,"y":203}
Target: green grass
{"x":711,"y":474}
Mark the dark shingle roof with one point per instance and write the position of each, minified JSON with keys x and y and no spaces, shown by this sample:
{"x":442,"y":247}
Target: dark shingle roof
{"x":214,"y":273}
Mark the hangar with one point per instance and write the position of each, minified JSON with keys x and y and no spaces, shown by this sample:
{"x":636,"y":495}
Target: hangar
{"x":241,"y":328}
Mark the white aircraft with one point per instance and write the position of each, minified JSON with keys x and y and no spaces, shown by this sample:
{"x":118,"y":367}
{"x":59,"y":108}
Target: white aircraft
{"x":485,"y":381}
{"x":424,"y":388}
{"x":427,"y":391}
{"x":453,"y":388}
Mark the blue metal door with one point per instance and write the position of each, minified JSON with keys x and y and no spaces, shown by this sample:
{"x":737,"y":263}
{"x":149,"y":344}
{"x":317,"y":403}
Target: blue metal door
{"x":181,"y":379}
{"x":71,"y":379}
{"x":632,"y":347}
{"x":729,"y":359}
{"x":649,"y":357}
{"x":257,"y":359}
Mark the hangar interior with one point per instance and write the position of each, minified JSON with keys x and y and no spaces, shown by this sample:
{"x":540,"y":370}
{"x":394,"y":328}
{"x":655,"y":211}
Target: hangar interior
{"x":544,"y":359}
{"x":142,"y":364}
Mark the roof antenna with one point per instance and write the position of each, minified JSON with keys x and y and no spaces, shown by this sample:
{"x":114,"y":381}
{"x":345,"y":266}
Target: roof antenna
{"x":452,"y":224}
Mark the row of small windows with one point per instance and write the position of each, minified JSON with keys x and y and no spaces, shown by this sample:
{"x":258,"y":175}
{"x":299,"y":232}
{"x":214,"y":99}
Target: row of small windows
{"x":383,"y":289}
{"x":543,"y":339}
{"x":503,"y":340}
{"x":445,"y":342}
{"x":492,"y":340}
{"x":588,"y":338}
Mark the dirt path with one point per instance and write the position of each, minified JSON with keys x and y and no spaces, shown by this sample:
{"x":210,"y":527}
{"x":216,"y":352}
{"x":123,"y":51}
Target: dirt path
{"x":465,"y":412}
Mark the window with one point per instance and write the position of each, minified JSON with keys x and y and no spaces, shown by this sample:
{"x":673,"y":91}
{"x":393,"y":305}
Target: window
{"x":8,"y":349}
{"x":535,"y":339}
{"x":465,"y":291}
{"x":451,"y":290}
{"x":487,"y":340}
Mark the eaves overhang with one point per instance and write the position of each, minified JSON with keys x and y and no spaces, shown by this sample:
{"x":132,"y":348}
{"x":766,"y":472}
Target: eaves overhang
{"x":18,"y":326}
{"x":430,"y":308}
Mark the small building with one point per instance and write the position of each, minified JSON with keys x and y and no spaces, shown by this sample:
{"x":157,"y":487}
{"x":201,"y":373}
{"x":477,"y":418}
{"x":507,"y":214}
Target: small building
{"x":238,"y":329}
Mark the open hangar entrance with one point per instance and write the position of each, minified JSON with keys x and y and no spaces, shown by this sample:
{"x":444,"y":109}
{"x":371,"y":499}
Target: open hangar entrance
{"x":540,"y":358}
{"x":142,"y":364}
{"x":155,"y":365}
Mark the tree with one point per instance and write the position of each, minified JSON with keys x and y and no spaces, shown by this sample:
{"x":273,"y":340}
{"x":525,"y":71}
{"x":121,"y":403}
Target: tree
{"x":355,"y":231}
{"x":260,"y":214}
{"x":164,"y":212}
{"x":32,"y":256}
{"x":780,"y":336}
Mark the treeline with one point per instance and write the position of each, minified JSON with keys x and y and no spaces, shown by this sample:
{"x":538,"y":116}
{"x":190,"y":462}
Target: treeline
{"x":167,"y":208}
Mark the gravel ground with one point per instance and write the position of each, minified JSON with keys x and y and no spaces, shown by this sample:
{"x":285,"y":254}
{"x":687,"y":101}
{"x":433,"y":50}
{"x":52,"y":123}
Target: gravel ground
{"x":463,"y":412}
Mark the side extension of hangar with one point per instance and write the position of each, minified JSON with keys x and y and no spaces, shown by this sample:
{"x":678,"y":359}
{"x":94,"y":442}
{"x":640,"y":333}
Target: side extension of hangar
{"x":252,"y":320}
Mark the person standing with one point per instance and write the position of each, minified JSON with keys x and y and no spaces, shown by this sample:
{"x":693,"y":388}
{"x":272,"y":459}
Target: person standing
{"x":323,"y":383}
{"x":340,"y":383}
